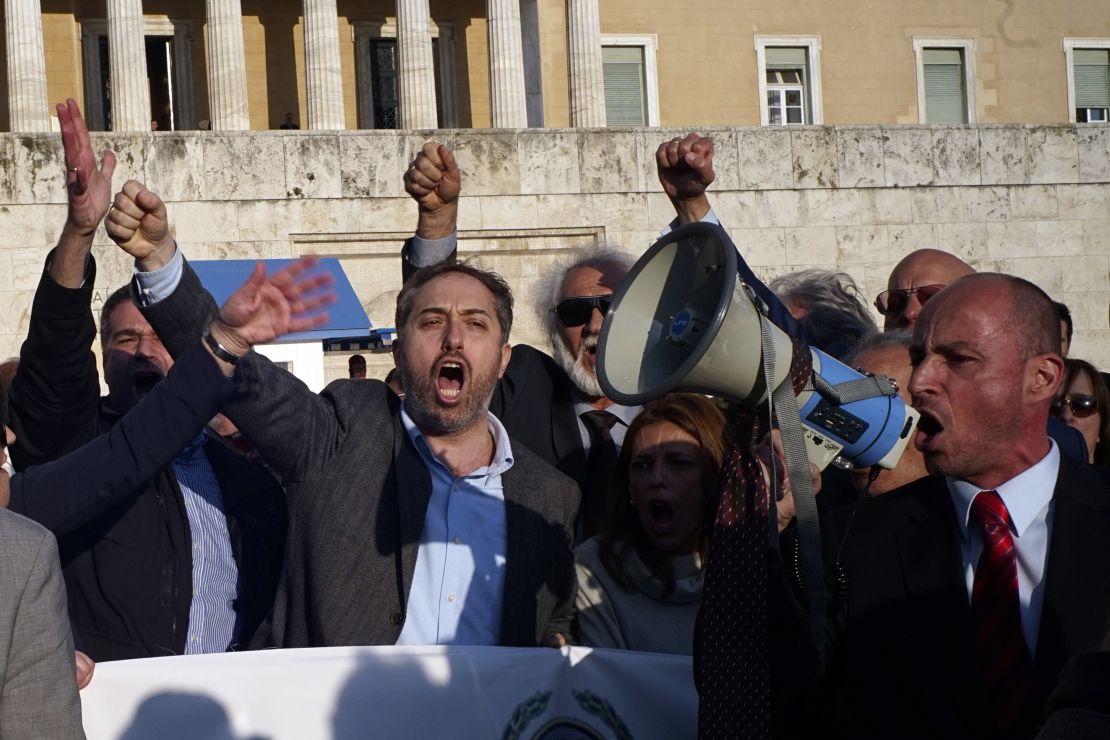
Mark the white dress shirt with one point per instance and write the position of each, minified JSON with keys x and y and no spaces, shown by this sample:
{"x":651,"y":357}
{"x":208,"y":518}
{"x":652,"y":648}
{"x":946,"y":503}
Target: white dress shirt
{"x":1028,"y":498}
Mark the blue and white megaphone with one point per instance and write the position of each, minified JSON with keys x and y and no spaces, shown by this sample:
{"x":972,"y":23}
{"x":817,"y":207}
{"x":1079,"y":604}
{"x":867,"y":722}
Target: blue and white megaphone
{"x":683,"y":321}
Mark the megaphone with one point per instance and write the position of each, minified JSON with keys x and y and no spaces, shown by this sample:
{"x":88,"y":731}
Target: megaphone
{"x":683,"y":321}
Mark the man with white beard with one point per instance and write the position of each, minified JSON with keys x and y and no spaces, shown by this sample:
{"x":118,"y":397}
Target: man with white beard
{"x":555,"y":407}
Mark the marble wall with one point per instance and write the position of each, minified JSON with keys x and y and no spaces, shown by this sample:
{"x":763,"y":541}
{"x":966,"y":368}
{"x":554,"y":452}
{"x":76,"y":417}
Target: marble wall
{"x":1029,"y":200}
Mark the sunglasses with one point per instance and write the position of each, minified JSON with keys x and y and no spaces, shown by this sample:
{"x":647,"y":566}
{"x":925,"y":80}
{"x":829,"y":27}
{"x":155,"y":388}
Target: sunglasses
{"x":577,"y":311}
{"x":894,"y":301}
{"x":1081,"y":405}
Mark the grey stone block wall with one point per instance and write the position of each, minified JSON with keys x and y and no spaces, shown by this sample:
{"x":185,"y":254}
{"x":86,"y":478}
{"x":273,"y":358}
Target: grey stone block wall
{"x":1029,"y":200}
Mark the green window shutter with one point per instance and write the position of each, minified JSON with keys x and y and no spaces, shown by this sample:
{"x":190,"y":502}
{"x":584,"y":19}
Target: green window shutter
{"x":785,"y":57}
{"x":945,"y":98}
{"x":625,"y":87}
{"x":1092,"y":78}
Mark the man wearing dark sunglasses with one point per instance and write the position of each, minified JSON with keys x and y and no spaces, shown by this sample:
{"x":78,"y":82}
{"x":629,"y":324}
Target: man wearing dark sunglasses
{"x":555,"y":407}
{"x":913,"y":281}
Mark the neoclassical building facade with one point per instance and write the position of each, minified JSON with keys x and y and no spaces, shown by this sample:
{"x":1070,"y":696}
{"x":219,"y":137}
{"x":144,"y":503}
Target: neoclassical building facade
{"x":426,"y":64}
{"x":848,"y":134}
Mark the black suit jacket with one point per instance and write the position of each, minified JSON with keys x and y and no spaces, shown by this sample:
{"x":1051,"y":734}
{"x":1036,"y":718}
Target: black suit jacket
{"x":123,"y":534}
{"x":358,"y":494}
{"x":901,"y":650}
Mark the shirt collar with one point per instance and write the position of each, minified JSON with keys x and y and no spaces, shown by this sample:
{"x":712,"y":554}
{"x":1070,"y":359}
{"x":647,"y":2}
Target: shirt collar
{"x":502,"y":448}
{"x":624,"y":414}
{"x":1025,"y":495}
{"x":190,"y":449}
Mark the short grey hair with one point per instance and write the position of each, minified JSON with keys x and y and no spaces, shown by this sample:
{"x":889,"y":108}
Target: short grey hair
{"x":598,"y":255}
{"x":836,"y":316}
{"x":878,"y":341}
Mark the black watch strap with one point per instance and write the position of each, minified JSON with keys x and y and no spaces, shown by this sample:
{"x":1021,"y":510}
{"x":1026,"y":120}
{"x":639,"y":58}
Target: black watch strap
{"x":219,"y":350}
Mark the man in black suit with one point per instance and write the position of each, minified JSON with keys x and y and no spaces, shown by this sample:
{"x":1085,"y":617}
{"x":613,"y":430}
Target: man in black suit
{"x":413,"y":521}
{"x":968,"y":591}
{"x":175,"y":565}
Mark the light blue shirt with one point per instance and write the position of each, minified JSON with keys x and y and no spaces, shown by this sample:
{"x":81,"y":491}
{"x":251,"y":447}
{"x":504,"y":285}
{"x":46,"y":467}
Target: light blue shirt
{"x":212,"y":617}
{"x":1028,"y":498}
{"x":158,"y":285}
{"x":458,"y":584}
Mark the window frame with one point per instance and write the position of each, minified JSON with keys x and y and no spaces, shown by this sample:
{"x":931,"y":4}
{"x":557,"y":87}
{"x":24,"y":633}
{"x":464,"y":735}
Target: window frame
{"x":967,"y":47}
{"x":1071,"y":43}
{"x":812,"y":45}
{"x":649,"y":42}
{"x":363,"y":32}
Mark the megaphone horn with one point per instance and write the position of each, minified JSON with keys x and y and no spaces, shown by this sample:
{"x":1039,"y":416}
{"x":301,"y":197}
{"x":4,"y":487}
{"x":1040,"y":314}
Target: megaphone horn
{"x":682,"y":320}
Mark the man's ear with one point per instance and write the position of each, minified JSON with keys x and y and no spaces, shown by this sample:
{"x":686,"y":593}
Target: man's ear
{"x":506,"y":353}
{"x":1045,"y":374}
{"x":395,"y":349}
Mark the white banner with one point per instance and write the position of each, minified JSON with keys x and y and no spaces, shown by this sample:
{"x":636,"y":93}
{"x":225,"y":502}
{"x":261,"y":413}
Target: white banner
{"x":394,"y":692}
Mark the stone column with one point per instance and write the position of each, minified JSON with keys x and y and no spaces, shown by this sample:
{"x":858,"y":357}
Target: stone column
{"x":27,"y":104}
{"x":130,"y":90}
{"x":506,"y":65}
{"x":587,"y":80}
{"x":324,"y":83}
{"x":415,"y":71}
{"x":227,"y":67}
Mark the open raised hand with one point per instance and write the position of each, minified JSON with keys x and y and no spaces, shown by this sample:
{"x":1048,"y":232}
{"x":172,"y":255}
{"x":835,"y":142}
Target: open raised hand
{"x":89,"y":185}
{"x":267,"y":307}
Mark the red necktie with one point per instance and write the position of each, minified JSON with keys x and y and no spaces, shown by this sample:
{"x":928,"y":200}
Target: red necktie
{"x":1004,"y":660}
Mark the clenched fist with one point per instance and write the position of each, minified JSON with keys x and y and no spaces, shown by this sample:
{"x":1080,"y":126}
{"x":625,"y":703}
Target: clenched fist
{"x":138,"y":223}
{"x":434,"y":182}
{"x":685,"y":171}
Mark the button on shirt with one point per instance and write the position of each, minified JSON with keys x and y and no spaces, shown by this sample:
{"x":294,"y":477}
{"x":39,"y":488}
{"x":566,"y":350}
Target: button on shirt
{"x":1028,"y":498}
{"x":458,"y":582}
{"x":212,"y":618}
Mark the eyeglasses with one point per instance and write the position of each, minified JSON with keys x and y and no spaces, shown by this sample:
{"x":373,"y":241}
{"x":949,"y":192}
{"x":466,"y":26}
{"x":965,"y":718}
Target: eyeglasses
{"x":1081,"y":405}
{"x":577,"y":311}
{"x":894,"y":301}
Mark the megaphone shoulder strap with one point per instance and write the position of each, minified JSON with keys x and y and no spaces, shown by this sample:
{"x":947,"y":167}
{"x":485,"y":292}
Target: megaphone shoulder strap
{"x":783,"y":403}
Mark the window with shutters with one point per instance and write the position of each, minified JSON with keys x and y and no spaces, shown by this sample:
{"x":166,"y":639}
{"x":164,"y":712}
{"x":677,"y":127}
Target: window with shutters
{"x":945,"y":80}
{"x":628,"y":64}
{"x":789,"y":80}
{"x":1088,"y":79}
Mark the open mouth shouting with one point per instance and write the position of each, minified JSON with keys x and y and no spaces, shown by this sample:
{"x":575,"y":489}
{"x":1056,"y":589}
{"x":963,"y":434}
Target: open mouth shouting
{"x":450,"y":379}
{"x":661,"y":517}
{"x":143,"y":381}
{"x":928,"y":429}
{"x":587,"y":353}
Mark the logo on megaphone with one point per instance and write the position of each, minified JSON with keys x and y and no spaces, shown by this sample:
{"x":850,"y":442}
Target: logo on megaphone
{"x":683,"y":321}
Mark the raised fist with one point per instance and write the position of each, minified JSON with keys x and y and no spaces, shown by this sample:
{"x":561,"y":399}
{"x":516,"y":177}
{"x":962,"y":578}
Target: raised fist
{"x":685,"y":166}
{"x":138,"y":223}
{"x":433,"y":178}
